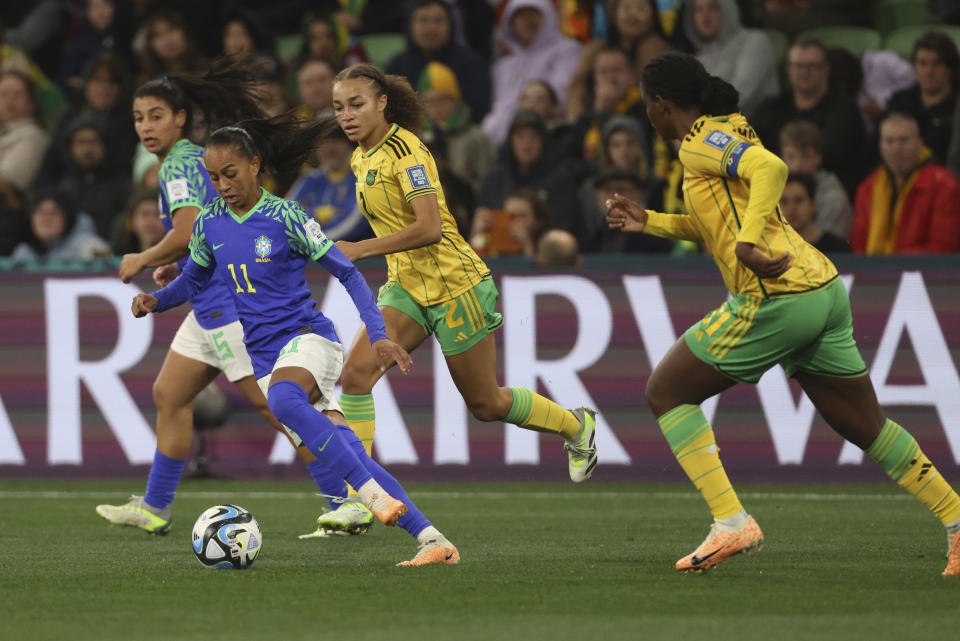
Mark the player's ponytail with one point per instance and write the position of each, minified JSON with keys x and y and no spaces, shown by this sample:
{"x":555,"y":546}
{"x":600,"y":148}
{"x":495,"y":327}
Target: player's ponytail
{"x":403,"y":103}
{"x":222,"y":96}
{"x":683,"y":80}
{"x":282,"y":143}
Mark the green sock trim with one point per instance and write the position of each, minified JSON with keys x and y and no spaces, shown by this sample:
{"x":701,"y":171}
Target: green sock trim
{"x":893,"y":450}
{"x":522,"y":406}
{"x":682,"y":425}
{"x":357,"y":407}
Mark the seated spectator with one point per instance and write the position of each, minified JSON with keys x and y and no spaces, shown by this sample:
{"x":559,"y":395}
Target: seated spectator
{"x":931,"y":101}
{"x":242,"y":38}
{"x":593,"y":232}
{"x":558,"y":248}
{"x":140,"y":227}
{"x":800,"y":210}
{"x":537,"y":51}
{"x":100,"y":33}
{"x":326,"y":38}
{"x":884,"y":73}
{"x":315,"y":88}
{"x":953,"y":151}
{"x":631,"y":26}
{"x":328,"y":192}
{"x":527,"y":160}
{"x":23,"y":142}
{"x":271,"y":97}
{"x":800,"y":148}
{"x":624,"y":142}
{"x":811,"y":98}
{"x":59,"y":232}
{"x":98,"y":187}
{"x":168,"y":47}
{"x":743,"y":57}
{"x":47,"y":96}
{"x":910,"y":204}
{"x":539,"y":96}
{"x":469,"y":150}
{"x":515,"y":229}
{"x":430,"y":39}
{"x":459,"y":195}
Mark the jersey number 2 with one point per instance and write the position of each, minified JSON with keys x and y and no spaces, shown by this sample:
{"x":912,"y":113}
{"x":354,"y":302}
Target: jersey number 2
{"x":250,"y":288}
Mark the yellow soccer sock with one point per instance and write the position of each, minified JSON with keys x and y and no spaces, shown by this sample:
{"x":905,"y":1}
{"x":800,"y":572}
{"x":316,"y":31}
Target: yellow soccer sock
{"x":359,"y":412}
{"x":534,"y":412}
{"x":897,"y":452}
{"x":691,"y":439}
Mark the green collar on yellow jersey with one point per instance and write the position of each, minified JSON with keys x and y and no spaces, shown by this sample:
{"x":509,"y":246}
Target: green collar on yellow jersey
{"x":392,"y":131}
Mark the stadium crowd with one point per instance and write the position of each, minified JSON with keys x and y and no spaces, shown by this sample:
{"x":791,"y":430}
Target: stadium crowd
{"x":534,"y":113}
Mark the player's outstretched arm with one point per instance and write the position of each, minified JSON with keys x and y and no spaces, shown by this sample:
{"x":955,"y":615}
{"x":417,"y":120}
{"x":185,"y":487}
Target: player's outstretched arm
{"x":184,"y":287}
{"x":425,"y":230}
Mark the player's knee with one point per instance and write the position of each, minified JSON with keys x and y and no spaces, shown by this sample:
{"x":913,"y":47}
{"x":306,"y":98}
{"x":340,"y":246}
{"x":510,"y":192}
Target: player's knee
{"x":657,"y":394}
{"x":163,"y":397}
{"x":485,"y":410}
{"x":356,"y":379}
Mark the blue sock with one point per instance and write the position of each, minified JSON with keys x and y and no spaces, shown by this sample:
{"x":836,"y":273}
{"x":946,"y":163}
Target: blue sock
{"x":291,"y":405}
{"x":413,"y":521}
{"x":327,"y":482}
{"x":163,"y":480}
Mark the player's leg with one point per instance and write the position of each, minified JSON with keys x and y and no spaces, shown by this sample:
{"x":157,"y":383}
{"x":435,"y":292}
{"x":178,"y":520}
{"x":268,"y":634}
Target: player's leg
{"x":178,"y":383}
{"x":464,"y":327}
{"x":850,"y":406}
{"x":361,"y":372}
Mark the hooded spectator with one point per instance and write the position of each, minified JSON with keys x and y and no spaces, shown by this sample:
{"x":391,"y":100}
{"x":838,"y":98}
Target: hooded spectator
{"x":57,"y":232}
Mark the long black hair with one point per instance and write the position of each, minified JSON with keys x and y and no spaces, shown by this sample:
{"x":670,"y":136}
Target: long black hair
{"x":403,"y":103}
{"x":282,"y":143}
{"x":683,"y":80}
{"x":223,"y":95}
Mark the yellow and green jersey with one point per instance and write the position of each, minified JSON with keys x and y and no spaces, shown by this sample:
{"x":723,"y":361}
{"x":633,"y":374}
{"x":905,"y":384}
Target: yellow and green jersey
{"x":391,"y":174}
{"x":721,"y":180}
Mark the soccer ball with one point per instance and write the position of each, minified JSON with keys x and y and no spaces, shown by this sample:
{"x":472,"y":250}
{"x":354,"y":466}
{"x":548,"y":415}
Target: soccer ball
{"x":226,"y":536}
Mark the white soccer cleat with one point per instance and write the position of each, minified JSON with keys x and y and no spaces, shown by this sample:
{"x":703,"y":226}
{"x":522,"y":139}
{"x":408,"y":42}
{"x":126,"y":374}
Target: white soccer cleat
{"x":139,"y":514}
{"x":582,"y":450}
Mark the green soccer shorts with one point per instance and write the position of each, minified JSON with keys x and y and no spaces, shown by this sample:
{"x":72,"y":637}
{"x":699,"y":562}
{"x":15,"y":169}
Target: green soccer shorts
{"x":459,"y":323}
{"x":811,"y":332}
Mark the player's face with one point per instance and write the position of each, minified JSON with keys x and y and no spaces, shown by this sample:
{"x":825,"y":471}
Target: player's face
{"x":658,"y":114}
{"x":797,"y":205}
{"x":157,"y":126}
{"x":234,"y":175}
{"x":359,"y":111}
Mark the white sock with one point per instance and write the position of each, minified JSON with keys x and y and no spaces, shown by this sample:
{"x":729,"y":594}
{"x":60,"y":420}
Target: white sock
{"x":953,"y":528}
{"x":371,"y":493}
{"x":429,"y":533}
{"x":732,"y":523}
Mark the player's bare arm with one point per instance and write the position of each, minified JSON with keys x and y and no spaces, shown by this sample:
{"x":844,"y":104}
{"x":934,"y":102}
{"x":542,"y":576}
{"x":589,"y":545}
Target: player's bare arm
{"x":425,"y":230}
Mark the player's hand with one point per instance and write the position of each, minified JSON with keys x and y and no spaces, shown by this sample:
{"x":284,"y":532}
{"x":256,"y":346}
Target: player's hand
{"x":143,"y":304}
{"x":130,"y":266}
{"x":759,"y":263}
{"x":164,"y":274}
{"x":625,"y":215}
{"x":388,"y":353}
{"x":349,"y":249}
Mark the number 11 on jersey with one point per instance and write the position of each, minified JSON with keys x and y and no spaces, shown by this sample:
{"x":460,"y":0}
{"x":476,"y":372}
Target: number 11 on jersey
{"x":243,"y":267}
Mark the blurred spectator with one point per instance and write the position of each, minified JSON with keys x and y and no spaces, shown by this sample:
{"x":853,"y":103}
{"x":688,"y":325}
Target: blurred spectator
{"x":624,"y":143}
{"x":168,"y":47}
{"x":558,"y":248}
{"x":884,"y":73}
{"x":324,"y":37}
{"x":933,"y":98}
{"x":800,"y":210}
{"x":242,"y":37}
{"x":328,"y":193}
{"x":140,"y":227}
{"x":743,"y":57}
{"x":103,"y":92}
{"x":315,"y":87}
{"x":459,"y":195}
{"x":469,"y":150}
{"x":537,"y":50}
{"x":633,"y":27}
{"x":271,"y":97}
{"x":59,"y":232}
{"x":513,"y":230}
{"x":47,"y":97}
{"x":812,"y":99}
{"x":953,"y":151}
{"x":527,"y":161}
{"x":910,"y":204}
{"x":36,"y":28}
{"x":100,"y":32}
{"x":592,"y":231}
{"x":801,"y":149}
{"x":430,"y":39}
{"x":98,"y":187}
{"x":22,"y":141}
{"x":539,"y":96}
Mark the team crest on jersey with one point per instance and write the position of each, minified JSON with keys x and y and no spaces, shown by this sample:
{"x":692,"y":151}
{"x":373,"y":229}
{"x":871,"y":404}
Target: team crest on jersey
{"x":371,"y":176}
{"x":263,"y":247}
{"x":718,"y":140}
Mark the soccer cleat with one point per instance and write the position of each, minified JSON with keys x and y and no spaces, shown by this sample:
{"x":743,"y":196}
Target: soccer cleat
{"x":720,"y":546}
{"x":386,"y":508}
{"x":437,"y":551}
{"x":581,"y":451}
{"x":953,"y":559}
{"x":138,"y":513}
{"x":349,"y":518}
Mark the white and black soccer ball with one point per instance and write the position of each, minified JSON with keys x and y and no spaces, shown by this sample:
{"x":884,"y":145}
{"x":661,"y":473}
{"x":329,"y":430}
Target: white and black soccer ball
{"x":226,"y":536}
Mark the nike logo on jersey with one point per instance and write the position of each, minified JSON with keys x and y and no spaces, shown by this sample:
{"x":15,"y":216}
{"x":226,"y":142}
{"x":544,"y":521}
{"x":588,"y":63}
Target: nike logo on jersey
{"x":218,"y":246}
{"x":697,"y":560}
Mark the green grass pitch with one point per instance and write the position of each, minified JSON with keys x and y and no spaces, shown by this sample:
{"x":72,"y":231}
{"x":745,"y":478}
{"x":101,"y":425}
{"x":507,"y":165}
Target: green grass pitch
{"x":539,"y":562}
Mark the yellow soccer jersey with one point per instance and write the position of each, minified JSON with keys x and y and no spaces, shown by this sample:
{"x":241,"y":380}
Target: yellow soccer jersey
{"x":389,"y":176}
{"x":716,"y":192}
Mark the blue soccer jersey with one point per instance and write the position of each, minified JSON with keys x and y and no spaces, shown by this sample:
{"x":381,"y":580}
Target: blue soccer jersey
{"x":184,"y":183}
{"x":262,"y":255}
